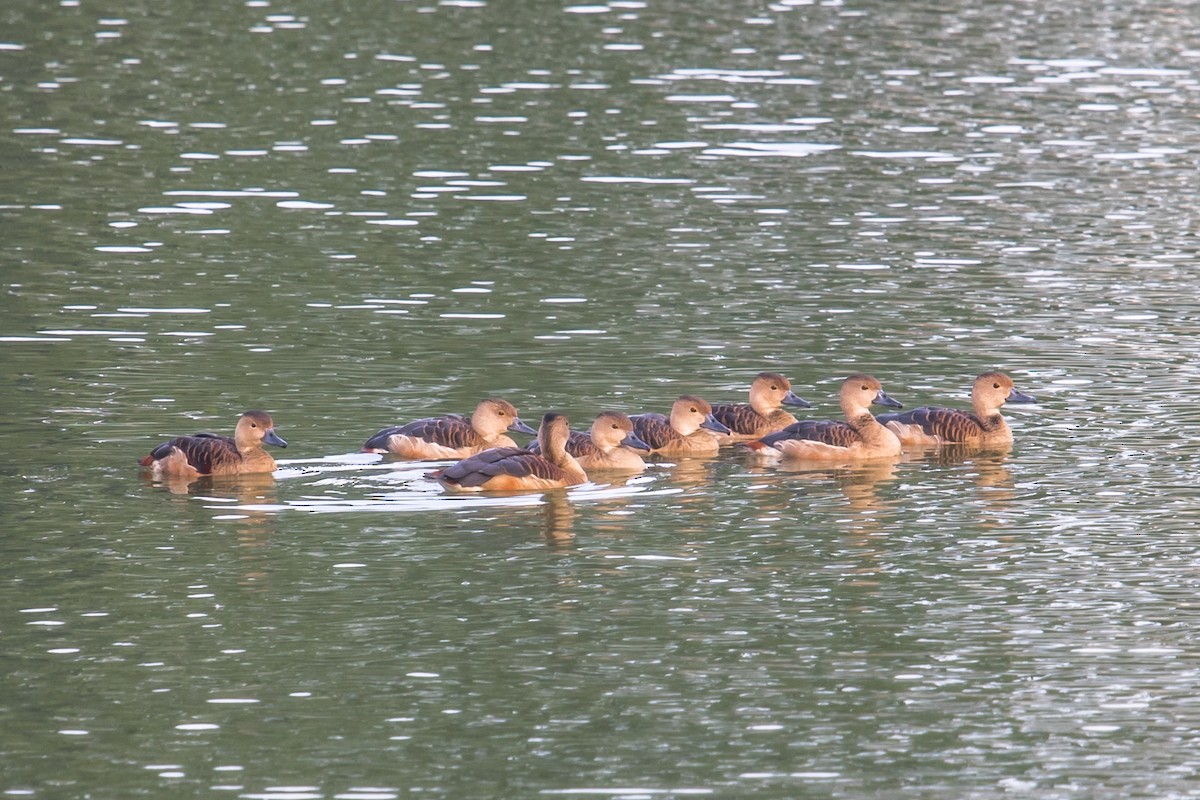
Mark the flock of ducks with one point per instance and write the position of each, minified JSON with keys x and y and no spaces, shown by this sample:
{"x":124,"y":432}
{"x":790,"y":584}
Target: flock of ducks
{"x":489,"y":460}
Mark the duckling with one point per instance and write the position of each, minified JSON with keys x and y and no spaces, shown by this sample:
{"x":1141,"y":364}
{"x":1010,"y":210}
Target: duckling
{"x":685,"y":432}
{"x":610,"y":445}
{"x":859,"y":438}
{"x":211,"y":454}
{"x":763,"y":414}
{"x":452,"y":436}
{"x":981,"y":427}
{"x":510,"y":469}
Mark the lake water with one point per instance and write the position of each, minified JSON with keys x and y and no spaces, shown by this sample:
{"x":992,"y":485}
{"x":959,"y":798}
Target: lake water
{"x":354,"y":215}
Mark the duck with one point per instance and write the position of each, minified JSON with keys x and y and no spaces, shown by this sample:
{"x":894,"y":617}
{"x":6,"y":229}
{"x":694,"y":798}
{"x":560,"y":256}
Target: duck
{"x":685,"y":432}
{"x":860,"y":437}
{"x":514,"y":469}
{"x":213,"y":454}
{"x":982,"y":426}
{"x":453,"y":435}
{"x":764,"y":414}
{"x":610,"y":445}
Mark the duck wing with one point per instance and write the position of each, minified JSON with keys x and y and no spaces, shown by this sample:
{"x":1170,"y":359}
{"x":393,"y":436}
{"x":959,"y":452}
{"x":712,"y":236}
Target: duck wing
{"x":512,"y":462}
{"x":741,"y":418}
{"x":451,"y":430}
{"x":579,"y":444}
{"x":831,"y":432}
{"x":654,"y":429}
{"x":949,"y":424}
{"x":206,"y":452}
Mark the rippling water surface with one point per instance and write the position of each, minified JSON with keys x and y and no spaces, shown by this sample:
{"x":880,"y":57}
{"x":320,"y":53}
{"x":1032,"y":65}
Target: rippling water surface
{"x":354,"y":217}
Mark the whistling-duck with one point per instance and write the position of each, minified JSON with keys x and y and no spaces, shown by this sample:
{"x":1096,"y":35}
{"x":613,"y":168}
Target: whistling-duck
{"x":685,"y":432}
{"x":763,"y":414}
{"x":981,"y":427}
{"x":509,"y":469}
{"x":610,"y":445}
{"x":452,"y":436}
{"x":860,"y":437}
{"x":211,"y":454}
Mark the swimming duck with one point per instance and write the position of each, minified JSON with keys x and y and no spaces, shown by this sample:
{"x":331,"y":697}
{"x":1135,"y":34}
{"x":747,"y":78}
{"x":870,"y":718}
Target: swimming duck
{"x":860,"y":437}
{"x":981,"y":427}
{"x":685,"y":432}
{"x":508,"y":469}
{"x":764,"y":413}
{"x":211,"y":454}
{"x":452,"y":436}
{"x":610,"y":445}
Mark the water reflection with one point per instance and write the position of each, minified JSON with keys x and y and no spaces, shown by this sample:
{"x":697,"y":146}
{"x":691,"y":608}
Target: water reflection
{"x":586,"y":207}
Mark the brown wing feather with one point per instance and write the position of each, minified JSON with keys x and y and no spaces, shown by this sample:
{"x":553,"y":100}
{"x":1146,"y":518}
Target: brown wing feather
{"x":950,"y":424}
{"x":741,"y":418}
{"x":654,"y":429}
{"x":578,"y":445}
{"x":830,"y":432}
{"x":451,"y":430}
{"x":512,"y":462}
{"x":581,"y":445}
{"x":206,"y":452}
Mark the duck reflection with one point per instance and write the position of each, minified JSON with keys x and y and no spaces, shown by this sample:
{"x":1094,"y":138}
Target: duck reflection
{"x":558,"y":519}
{"x":248,"y":494}
{"x":687,"y":472}
{"x":860,"y":483}
{"x":986,"y":469}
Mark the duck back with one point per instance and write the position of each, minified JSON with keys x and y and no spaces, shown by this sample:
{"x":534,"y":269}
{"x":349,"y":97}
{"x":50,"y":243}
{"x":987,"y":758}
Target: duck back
{"x":937,"y":425}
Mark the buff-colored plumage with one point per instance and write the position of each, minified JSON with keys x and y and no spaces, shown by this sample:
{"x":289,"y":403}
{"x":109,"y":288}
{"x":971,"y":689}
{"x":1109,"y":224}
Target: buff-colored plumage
{"x":685,"y":432}
{"x":511,"y":469}
{"x":983,"y":426}
{"x":451,"y":436}
{"x":610,"y":445}
{"x":859,"y":438}
{"x":211,"y":454}
{"x":764,"y":414}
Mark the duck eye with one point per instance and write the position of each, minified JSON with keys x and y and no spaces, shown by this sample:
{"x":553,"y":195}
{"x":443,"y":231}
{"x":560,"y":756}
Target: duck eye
{"x":995,"y":386}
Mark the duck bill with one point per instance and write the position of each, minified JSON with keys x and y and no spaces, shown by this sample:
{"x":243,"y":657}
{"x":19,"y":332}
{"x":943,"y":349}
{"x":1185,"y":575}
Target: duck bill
{"x":793,"y":399}
{"x":882,"y":398}
{"x":272,"y":437}
{"x":1019,"y":397}
{"x":713,"y":424}
{"x":521,"y":427}
{"x":632,"y":441}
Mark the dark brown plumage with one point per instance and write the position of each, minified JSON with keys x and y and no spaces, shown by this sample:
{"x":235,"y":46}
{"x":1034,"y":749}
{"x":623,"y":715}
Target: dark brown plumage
{"x":452,"y":435}
{"x":860,"y":437}
{"x":764,"y":414}
{"x":983,"y":426}
{"x":516,"y":469}
{"x":610,"y":444}
{"x":212,"y":454}
{"x":826,"y":431}
{"x":685,"y":432}
{"x":654,"y":429}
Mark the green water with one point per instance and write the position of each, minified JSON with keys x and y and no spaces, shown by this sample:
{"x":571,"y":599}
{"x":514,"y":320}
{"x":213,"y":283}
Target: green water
{"x":353,"y":217}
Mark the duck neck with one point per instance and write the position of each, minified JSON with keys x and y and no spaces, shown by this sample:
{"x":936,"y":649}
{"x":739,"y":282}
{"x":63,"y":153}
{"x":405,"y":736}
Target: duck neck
{"x":992,"y":422}
{"x":866,"y":426}
{"x":763,"y":406}
{"x":561,"y":458}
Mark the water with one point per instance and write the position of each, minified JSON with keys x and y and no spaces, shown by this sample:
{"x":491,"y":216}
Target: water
{"x":356,"y":217}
